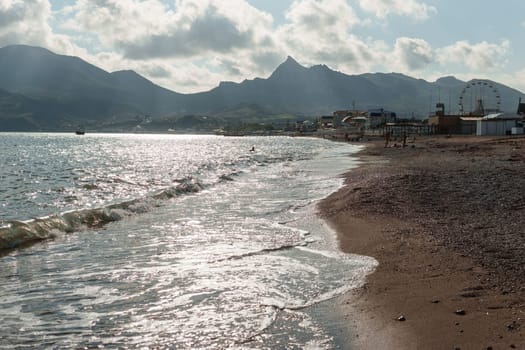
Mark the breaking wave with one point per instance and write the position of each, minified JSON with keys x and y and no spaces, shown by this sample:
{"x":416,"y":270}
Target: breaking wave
{"x":16,"y":233}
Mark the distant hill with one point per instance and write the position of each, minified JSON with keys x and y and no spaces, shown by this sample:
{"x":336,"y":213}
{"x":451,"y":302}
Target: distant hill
{"x":68,"y":88}
{"x":40,"y":90}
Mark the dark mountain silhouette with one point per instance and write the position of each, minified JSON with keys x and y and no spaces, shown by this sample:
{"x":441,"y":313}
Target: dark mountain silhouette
{"x":70,"y":88}
{"x":295,"y":89}
{"x":40,"y":90}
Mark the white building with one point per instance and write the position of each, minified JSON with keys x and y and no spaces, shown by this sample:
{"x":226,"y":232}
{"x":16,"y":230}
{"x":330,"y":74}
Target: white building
{"x":497,"y":124}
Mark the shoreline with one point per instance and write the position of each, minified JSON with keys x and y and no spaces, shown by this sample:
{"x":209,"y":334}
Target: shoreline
{"x":446,"y":228}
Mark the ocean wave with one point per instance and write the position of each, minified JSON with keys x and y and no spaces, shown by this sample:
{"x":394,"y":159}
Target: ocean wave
{"x":260,"y":252}
{"x":16,"y":233}
{"x":229,"y":177}
{"x":361,"y":266}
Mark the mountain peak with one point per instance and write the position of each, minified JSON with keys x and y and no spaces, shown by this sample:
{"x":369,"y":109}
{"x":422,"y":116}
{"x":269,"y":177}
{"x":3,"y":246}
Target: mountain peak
{"x":291,"y":60}
{"x":287,"y":68}
{"x":449,"y":78}
{"x":291,"y":63}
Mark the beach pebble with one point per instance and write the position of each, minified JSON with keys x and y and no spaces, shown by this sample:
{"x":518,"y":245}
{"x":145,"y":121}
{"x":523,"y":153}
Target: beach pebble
{"x":460,"y":312}
{"x":512,"y":326}
{"x":401,"y":318}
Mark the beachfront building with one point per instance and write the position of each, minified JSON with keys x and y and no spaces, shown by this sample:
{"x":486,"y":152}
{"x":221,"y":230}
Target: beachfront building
{"x":400,"y":129}
{"x":458,"y":124}
{"x":445,"y":123}
{"x":304,"y":126}
{"x":499,"y":124}
{"x":352,"y":119}
{"x":339,"y":119}
{"x":380,"y":117}
{"x":327,"y":122}
{"x":369,"y":119}
{"x":468,"y":125}
{"x":481,"y":121}
{"x":357,"y":122}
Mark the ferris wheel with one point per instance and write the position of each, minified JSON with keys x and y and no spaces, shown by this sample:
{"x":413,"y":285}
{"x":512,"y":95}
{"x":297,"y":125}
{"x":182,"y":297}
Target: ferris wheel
{"x":479,"y":97}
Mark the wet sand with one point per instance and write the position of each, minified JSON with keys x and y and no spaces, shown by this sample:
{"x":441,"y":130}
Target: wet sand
{"x":445,"y":218}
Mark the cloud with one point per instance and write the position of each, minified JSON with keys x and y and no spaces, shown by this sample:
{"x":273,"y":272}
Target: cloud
{"x":409,"y":8}
{"x":192,"y":45}
{"x":185,"y":76}
{"x":479,"y":57}
{"x":27,"y":22}
{"x":417,"y":56}
{"x":24,"y":21}
{"x":10,"y":13}
{"x":210,"y":33}
{"x":151,"y":29}
{"x":322,"y":15}
{"x":320,"y":31}
{"x":516,"y":80}
{"x":231,"y":40}
{"x":412,"y":54}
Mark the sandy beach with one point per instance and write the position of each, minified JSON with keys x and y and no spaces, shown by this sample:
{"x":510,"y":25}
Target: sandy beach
{"x":445,"y":218}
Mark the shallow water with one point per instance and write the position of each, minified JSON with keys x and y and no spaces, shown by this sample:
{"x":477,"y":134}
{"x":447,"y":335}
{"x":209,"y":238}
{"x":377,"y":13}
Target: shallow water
{"x":172,"y":241}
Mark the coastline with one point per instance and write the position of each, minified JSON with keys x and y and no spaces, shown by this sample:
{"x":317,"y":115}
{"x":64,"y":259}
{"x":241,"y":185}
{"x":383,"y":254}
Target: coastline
{"x":444,"y":218}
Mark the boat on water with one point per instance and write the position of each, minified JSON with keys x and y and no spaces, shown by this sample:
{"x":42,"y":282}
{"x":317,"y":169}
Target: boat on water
{"x":80,"y":131}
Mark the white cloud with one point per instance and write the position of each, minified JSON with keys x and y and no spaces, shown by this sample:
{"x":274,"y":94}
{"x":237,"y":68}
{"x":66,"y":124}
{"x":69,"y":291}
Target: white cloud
{"x":151,"y":29}
{"x":181,"y":77}
{"x":320,"y":31}
{"x":24,"y":22}
{"x":322,"y":15}
{"x":478,"y":57}
{"x":230,"y":40}
{"x":410,"y":8}
{"x":176,"y":45}
{"x":415,"y":56}
{"x":27,"y":22}
{"x":115,"y":21}
{"x":412,"y":54}
{"x":516,"y":80}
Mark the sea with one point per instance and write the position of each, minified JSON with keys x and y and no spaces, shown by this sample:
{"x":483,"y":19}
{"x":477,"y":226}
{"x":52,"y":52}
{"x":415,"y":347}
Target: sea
{"x":143,"y":241}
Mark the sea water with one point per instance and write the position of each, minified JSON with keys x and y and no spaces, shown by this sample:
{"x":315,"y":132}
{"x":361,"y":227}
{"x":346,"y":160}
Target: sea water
{"x":169,"y":241}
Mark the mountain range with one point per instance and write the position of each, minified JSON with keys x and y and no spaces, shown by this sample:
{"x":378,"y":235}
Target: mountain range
{"x":40,"y":90}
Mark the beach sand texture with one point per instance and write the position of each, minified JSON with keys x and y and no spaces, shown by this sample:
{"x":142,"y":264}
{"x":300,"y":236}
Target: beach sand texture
{"x":445,"y":218}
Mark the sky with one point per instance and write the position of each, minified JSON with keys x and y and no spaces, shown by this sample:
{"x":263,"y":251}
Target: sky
{"x":192,"y":45}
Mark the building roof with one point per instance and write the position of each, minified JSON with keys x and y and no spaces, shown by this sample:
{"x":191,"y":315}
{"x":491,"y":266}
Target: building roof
{"x":350,"y":118}
{"x":501,"y":116}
